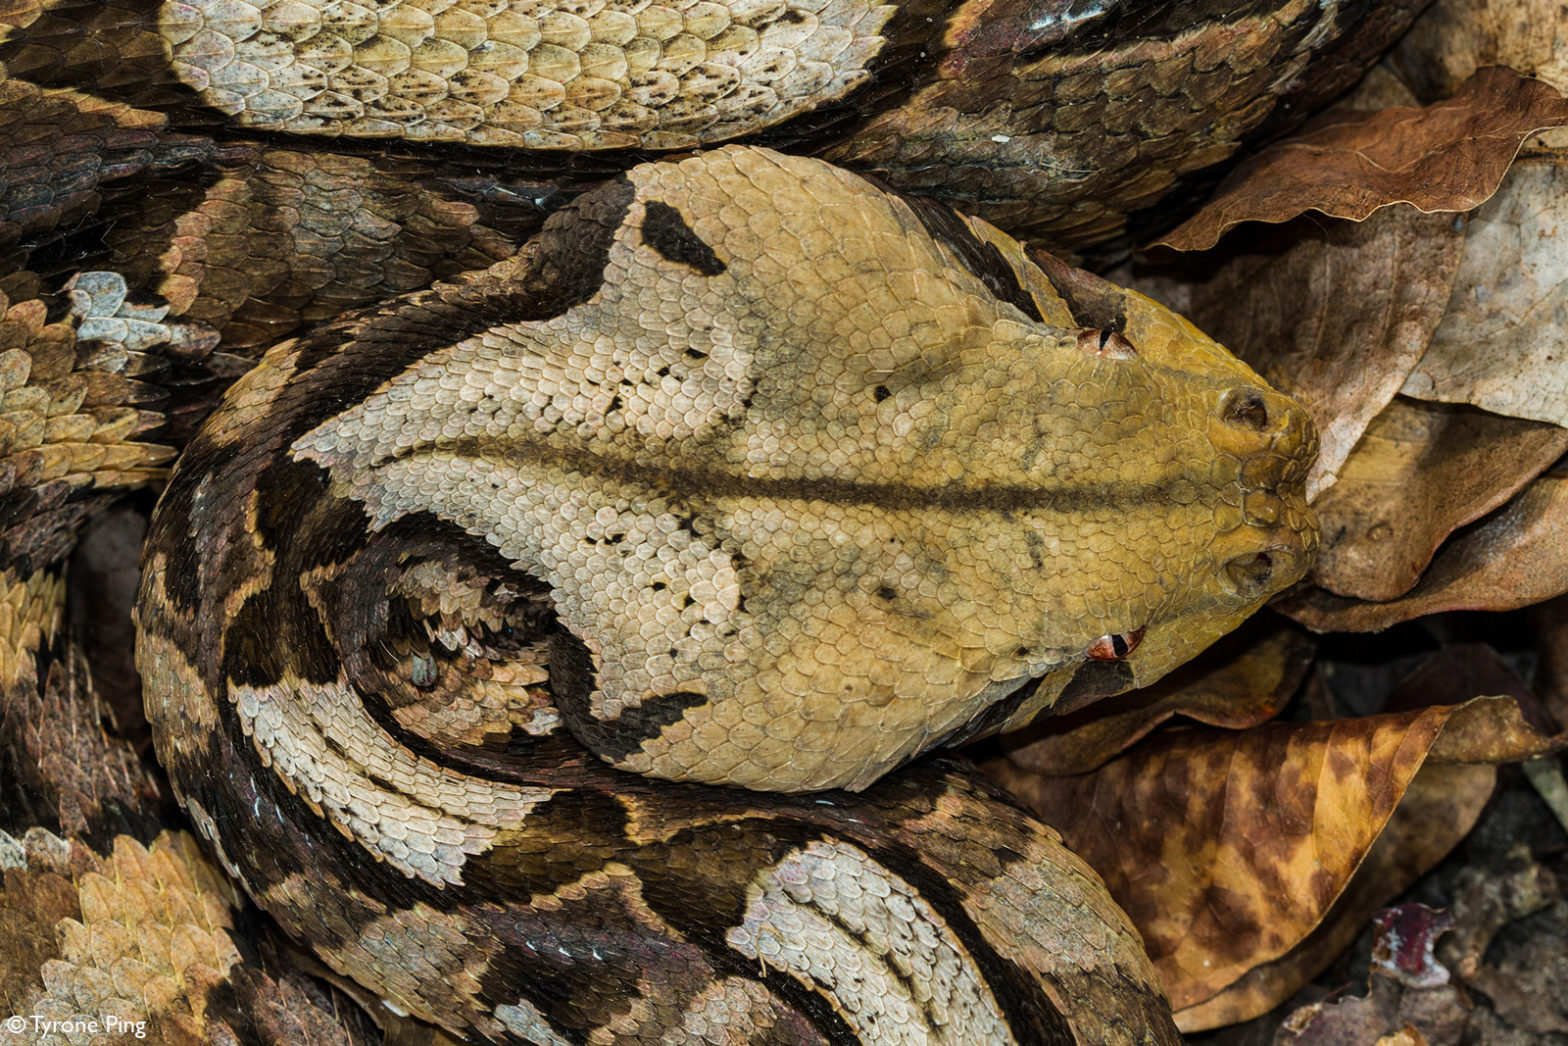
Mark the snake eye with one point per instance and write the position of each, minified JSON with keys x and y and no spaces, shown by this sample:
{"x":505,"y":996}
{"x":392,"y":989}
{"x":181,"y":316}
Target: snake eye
{"x":1106,"y":343}
{"x":1115,"y":647}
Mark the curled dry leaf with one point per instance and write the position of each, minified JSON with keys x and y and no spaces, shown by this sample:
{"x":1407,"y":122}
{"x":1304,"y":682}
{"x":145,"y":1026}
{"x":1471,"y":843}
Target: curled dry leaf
{"x":1420,"y":471}
{"x":1333,"y":313}
{"x":1508,"y":727}
{"x":1514,"y":558}
{"x":1445,"y":157}
{"x":1503,"y":344}
{"x":1241,"y":681}
{"x":1227,"y":848}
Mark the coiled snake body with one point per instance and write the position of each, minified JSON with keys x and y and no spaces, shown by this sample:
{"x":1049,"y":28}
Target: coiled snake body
{"x":501,"y":638}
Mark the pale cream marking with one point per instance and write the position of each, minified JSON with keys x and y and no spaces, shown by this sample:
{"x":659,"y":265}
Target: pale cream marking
{"x":1046,"y":910}
{"x":839,"y":922}
{"x":631,"y":611}
{"x":424,"y":825}
{"x":727,"y":1013}
{"x":523,"y":1018}
{"x":12,"y":855}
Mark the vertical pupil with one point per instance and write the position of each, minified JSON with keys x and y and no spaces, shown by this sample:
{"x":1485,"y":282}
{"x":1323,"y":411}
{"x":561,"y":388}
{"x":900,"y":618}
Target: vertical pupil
{"x":1105,"y":336}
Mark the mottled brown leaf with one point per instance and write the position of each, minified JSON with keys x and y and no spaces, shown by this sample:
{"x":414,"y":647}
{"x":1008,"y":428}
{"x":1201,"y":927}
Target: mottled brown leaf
{"x":1420,"y":471}
{"x":1334,"y":313}
{"x":1449,"y":156}
{"x":1515,"y":557}
{"x":1503,"y":344}
{"x":1438,"y":810}
{"x":1241,"y":681}
{"x":1228,"y":848}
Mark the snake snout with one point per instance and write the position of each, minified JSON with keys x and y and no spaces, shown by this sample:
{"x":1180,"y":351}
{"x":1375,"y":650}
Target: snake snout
{"x":1273,"y":443}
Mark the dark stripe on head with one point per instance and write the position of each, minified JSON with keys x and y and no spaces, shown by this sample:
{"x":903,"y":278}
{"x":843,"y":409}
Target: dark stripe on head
{"x":983,"y":260}
{"x":680,"y":484}
{"x":1094,"y":302}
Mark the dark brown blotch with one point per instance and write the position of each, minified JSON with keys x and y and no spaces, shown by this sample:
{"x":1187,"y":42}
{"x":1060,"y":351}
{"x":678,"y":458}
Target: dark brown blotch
{"x":666,"y":232}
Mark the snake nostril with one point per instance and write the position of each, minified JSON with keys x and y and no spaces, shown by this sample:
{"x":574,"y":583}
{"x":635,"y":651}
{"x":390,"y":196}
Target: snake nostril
{"x":1245,"y":408}
{"x":1250,"y":574}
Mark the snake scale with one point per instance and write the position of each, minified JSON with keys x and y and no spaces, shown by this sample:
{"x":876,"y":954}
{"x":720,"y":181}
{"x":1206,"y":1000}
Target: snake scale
{"x":553,"y":629}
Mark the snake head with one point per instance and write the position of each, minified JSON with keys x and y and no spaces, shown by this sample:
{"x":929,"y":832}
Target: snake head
{"x":788,"y":480}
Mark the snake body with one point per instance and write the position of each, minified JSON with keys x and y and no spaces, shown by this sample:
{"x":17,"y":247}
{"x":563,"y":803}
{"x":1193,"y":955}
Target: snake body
{"x":499,"y":636}
{"x":599,"y":496}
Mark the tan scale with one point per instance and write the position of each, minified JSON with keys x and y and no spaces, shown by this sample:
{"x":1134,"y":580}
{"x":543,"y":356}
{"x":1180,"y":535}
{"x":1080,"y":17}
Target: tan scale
{"x":522,"y":73}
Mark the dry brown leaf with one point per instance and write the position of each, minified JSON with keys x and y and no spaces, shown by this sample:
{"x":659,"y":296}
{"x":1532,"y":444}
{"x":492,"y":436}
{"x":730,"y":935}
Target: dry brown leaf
{"x":1241,"y":681}
{"x":1227,"y":848}
{"x":1508,"y":727}
{"x":1513,"y":558}
{"x":1210,"y":840}
{"x":1503,"y":344}
{"x":1454,"y":38}
{"x":1449,"y":156}
{"x":1438,"y":810}
{"x":1333,"y":313}
{"x":1420,"y":471}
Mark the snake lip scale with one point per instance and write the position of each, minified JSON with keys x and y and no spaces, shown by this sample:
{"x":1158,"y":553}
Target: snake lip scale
{"x":558,"y":623}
